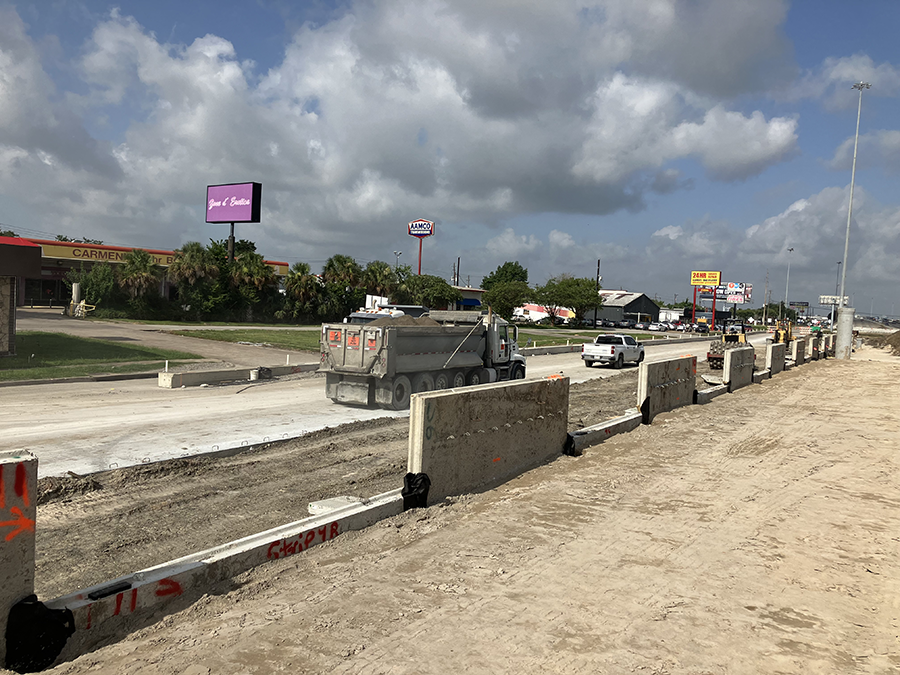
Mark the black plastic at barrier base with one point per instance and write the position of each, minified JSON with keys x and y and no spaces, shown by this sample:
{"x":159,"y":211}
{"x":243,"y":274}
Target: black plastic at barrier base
{"x":35,"y":635}
{"x":415,"y":491}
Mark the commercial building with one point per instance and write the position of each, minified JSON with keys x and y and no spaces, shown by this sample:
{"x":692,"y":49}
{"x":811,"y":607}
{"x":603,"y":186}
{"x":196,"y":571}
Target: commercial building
{"x":619,"y":305}
{"x":59,"y":257}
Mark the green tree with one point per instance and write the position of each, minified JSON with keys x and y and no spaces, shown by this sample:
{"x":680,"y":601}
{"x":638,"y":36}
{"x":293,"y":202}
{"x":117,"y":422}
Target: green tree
{"x":253,"y":280}
{"x":504,"y":297}
{"x":578,"y":294}
{"x":193,"y":272}
{"x":505,"y":273}
{"x":303,"y":293}
{"x":379,"y":278}
{"x":138,"y":273}
{"x":342,"y":269}
{"x":431,"y":291}
{"x":550,"y":298}
{"x":98,"y":284}
{"x":8,"y":233}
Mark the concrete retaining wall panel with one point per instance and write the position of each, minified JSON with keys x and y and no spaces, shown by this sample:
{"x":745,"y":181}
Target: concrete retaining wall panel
{"x":18,"y":495}
{"x":775,"y":356}
{"x":7,"y":316}
{"x":597,"y":433}
{"x":738,"y":369}
{"x":195,"y":378}
{"x":130,"y":602}
{"x":798,"y":351}
{"x":464,"y":439}
{"x":666,"y":385}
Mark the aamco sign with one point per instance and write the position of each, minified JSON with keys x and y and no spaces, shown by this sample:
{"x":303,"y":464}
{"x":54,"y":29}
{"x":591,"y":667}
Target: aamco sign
{"x":421,"y":228}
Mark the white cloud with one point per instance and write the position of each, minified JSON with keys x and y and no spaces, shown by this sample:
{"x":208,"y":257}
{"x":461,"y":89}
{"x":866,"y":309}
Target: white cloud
{"x":876,"y":149}
{"x":832,"y":81}
{"x":568,"y":107}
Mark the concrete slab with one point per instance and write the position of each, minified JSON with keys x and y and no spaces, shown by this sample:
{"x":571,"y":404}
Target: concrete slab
{"x":194,"y":378}
{"x":118,"y":607}
{"x":706,"y":395}
{"x":666,"y":385}
{"x":18,"y":512}
{"x":761,"y":375}
{"x":324,"y":506}
{"x":466,"y":439}
{"x":798,"y":351}
{"x":597,"y":433}
{"x":737,"y":371}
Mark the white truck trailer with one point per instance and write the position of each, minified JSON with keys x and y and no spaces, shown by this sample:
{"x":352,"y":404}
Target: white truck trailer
{"x":383,"y":362}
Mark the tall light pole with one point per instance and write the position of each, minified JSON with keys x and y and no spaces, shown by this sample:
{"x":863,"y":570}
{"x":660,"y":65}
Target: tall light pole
{"x":837,"y":281}
{"x":597,"y":305}
{"x":845,"y":331}
{"x":787,"y":284}
{"x":397,"y":265}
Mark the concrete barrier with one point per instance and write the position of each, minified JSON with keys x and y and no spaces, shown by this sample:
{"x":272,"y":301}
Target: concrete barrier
{"x":666,"y":385}
{"x":115,"y":608}
{"x":737,"y":371}
{"x":761,"y":375}
{"x":194,"y":378}
{"x":466,"y":439}
{"x":704,"y":396}
{"x":597,"y":433}
{"x":18,"y":495}
{"x":775,"y":357}
{"x":798,"y":351}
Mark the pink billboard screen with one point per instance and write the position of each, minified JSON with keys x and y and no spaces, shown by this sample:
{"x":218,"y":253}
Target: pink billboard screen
{"x":233,"y":203}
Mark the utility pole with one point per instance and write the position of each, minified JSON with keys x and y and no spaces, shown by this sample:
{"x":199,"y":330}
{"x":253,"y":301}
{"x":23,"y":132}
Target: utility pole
{"x":787,"y":285}
{"x":845,"y":318}
{"x":597,"y":305}
{"x":766,"y":300}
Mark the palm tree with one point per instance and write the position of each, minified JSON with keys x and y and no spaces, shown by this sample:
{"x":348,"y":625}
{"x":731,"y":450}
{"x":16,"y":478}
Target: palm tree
{"x":379,"y":278}
{"x":139,"y":273}
{"x":251,"y":277}
{"x":343,"y":270}
{"x":192,"y":264}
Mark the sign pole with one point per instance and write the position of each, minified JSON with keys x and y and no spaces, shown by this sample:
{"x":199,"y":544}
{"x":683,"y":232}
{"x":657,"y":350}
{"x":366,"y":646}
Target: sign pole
{"x":713,"y":327}
{"x":694,"y":307}
{"x":420,"y":256}
{"x":231,"y":244}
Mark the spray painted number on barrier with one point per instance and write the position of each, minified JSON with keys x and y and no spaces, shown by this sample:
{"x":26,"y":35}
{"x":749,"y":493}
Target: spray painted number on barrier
{"x":300,"y":542}
{"x":429,"y":418}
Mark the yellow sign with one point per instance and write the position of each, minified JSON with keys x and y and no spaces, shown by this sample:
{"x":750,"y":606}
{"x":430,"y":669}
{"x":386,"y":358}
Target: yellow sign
{"x":706,"y":278}
{"x":113,"y":254}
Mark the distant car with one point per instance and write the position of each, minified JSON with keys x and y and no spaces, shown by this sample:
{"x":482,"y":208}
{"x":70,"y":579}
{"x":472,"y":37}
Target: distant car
{"x":657,"y":327}
{"x":608,"y":323}
{"x":642,"y":325}
{"x":625,"y":323}
{"x":701,"y":328}
{"x":671,"y":325}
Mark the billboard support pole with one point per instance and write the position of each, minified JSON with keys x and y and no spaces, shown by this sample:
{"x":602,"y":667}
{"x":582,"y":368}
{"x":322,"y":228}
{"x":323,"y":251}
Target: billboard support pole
{"x":231,"y":244}
{"x":694,"y":307}
{"x":713,"y":327}
{"x":420,"y":256}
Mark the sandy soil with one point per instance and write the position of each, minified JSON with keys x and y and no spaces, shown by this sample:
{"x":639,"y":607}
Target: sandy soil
{"x":755,"y":534}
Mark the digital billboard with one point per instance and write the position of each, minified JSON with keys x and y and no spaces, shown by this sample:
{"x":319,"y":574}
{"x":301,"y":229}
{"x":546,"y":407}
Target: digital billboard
{"x":233,"y":203}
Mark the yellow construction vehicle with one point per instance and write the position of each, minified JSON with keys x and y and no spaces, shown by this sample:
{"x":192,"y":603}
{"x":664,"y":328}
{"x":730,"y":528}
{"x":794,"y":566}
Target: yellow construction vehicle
{"x":734,"y":334}
{"x":783,"y":332}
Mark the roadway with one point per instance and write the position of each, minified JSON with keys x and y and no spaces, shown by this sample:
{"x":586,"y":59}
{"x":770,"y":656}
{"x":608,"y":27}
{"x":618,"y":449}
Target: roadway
{"x":84,"y":427}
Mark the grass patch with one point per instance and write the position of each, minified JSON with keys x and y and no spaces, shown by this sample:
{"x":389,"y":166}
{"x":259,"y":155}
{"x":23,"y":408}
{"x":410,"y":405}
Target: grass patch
{"x":295,"y":340}
{"x":53,"y":355}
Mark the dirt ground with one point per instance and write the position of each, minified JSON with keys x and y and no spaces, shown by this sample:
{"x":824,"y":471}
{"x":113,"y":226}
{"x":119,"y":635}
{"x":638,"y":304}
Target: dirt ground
{"x":754,"y":534}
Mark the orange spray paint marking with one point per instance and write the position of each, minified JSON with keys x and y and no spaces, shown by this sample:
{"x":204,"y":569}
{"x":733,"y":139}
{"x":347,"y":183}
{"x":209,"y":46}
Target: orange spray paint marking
{"x":2,"y":490}
{"x":21,"y":523}
{"x":133,"y":599}
{"x":496,"y":459}
{"x":118,"y":604}
{"x":168,"y":587}
{"x":21,"y":485}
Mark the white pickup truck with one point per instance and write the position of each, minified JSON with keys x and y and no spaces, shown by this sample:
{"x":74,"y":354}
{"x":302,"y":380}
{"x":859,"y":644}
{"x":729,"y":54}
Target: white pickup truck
{"x":614,"y":349}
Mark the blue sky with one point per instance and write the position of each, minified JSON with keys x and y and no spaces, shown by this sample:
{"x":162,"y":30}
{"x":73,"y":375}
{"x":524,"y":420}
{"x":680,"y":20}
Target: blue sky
{"x":658,"y":136}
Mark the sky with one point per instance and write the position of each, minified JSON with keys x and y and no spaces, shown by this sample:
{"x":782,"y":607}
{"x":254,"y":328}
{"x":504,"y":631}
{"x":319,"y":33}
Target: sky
{"x":656,"y":136}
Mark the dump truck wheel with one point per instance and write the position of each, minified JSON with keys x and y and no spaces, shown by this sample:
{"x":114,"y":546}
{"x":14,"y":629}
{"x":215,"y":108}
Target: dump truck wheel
{"x":459,"y":379}
{"x":400,"y":391}
{"x":477,"y":376}
{"x":442,"y":381}
{"x":422,"y":382}
{"x":518,"y":373}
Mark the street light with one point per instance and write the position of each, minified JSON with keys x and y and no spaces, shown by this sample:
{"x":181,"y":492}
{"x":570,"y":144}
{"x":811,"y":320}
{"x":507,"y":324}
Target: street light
{"x":837,"y":280}
{"x":787,"y":284}
{"x":398,"y":254}
{"x":844,"y":336}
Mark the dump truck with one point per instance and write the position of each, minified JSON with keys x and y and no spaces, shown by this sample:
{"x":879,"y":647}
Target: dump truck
{"x":734,"y":334}
{"x":383,"y":362}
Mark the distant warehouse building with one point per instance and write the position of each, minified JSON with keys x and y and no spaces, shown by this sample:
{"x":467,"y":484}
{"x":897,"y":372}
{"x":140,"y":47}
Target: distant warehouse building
{"x":619,"y":305}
